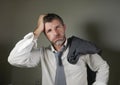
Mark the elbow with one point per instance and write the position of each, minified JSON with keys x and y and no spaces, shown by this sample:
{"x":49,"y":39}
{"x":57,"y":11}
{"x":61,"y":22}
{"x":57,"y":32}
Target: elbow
{"x":10,"y":60}
{"x":27,"y":63}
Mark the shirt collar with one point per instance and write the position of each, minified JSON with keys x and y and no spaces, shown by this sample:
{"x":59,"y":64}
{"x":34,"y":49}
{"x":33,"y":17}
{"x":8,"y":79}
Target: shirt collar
{"x":53,"y":50}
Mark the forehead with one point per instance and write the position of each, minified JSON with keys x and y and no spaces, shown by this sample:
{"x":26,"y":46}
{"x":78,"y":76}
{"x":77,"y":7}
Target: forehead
{"x":52,"y":23}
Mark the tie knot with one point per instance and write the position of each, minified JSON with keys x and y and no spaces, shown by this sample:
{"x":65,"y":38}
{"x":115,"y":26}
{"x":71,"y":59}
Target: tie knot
{"x":58,"y":58}
{"x":58,"y":55}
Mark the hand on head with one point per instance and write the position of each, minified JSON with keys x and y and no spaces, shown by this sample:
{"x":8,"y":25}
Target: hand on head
{"x":40,"y":26}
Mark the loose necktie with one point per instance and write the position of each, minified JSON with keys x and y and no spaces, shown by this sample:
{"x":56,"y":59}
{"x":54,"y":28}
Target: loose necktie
{"x":60,"y":75}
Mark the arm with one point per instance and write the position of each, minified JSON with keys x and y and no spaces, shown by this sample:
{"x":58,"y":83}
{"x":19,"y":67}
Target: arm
{"x":40,"y":27}
{"x":25,"y":53}
{"x":96,"y":63}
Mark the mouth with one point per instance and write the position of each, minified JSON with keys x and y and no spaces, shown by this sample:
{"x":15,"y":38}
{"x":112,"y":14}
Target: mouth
{"x":59,"y":41}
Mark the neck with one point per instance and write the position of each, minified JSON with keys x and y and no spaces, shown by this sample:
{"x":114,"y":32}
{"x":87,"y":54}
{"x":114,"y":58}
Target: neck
{"x":58,"y":48}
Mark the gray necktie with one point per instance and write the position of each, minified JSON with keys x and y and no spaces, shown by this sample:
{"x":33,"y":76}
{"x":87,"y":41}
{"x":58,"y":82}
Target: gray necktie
{"x":60,"y":75}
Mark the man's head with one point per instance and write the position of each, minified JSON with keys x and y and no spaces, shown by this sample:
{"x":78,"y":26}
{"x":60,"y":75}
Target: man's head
{"x":51,"y":16}
{"x":54,"y":29}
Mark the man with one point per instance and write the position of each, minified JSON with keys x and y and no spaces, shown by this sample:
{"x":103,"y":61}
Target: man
{"x":64,"y":61}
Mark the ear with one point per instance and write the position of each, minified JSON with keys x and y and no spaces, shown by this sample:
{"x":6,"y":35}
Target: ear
{"x":64,"y":26}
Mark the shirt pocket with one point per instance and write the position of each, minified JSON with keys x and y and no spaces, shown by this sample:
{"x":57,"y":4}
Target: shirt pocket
{"x":78,"y":68}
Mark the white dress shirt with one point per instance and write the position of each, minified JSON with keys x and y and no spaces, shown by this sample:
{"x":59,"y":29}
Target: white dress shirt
{"x":26,"y":54}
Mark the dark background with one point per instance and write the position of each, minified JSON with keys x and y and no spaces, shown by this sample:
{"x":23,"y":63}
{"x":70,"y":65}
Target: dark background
{"x":94,"y":20}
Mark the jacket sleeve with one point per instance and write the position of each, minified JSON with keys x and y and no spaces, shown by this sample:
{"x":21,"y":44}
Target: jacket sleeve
{"x":25,"y":53}
{"x":96,"y":63}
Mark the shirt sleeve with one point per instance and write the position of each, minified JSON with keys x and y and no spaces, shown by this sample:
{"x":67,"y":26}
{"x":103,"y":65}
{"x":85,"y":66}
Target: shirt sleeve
{"x":96,"y":63}
{"x":25,"y":53}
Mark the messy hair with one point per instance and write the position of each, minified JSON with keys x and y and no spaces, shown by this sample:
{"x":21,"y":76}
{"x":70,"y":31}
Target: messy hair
{"x":51,"y":16}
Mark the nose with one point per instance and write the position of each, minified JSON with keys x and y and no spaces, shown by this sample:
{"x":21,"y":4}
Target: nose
{"x":55,"y":32}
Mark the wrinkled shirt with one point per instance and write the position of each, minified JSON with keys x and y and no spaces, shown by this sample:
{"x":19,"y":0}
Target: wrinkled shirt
{"x":26,"y":54}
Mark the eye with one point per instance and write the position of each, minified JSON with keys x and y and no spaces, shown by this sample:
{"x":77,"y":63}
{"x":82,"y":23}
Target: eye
{"x":59,"y":26}
{"x":49,"y":30}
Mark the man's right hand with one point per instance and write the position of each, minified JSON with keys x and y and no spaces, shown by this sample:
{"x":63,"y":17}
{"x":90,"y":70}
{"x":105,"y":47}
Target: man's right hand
{"x":40,"y":27}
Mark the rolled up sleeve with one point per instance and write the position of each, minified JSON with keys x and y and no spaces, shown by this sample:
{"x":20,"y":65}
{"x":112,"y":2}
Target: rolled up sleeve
{"x":25,"y":53}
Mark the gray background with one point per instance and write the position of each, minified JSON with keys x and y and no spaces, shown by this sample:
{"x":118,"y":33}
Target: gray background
{"x":94,"y":20}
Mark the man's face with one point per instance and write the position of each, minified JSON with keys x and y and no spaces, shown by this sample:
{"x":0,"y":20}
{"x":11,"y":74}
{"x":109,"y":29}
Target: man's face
{"x":55,"y":32}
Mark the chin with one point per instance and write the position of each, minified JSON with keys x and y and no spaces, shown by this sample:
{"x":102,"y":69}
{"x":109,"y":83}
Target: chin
{"x":59,"y":42}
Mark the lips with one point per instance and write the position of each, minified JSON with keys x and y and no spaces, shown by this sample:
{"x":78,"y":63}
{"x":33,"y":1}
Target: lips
{"x":58,"y":39}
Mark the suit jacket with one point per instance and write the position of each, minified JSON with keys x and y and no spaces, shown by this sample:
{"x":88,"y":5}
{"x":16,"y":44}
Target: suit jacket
{"x":79,"y":47}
